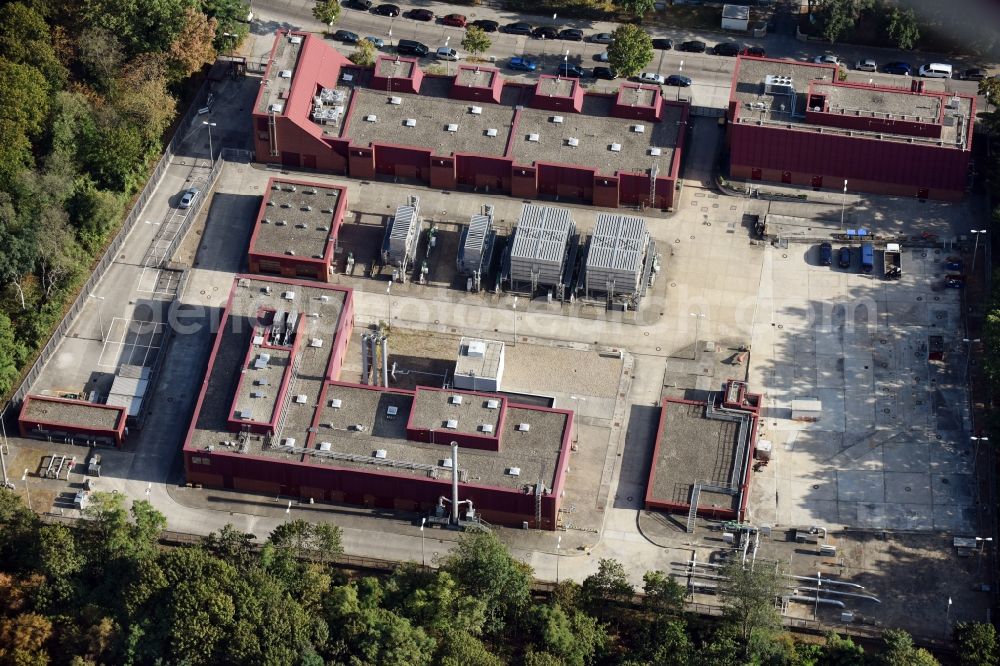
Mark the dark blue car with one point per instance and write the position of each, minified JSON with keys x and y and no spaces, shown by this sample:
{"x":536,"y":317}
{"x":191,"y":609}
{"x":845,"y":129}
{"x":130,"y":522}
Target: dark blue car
{"x":522,"y":64}
{"x":903,"y":68}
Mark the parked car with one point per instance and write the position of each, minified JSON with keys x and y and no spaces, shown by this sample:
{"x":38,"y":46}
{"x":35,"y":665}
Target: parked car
{"x":663,"y":44}
{"x":975,"y":74}
{"x":756,"y":51}
{"x":729,"y":49}
{"x":486,"y":25}
{"x":377,"y":42}
{"x":954,"y":281}
{"x":844,"y":257}
{"x":189,"y":197}
{"x":603,"y":38}
{"x":545,"y":32}
{"x":364,"y":5}
{"x":605,"y":73}
{"x":387,"y":10}
{"x":902,"y":68}
{"x":652,"y":77}
{"x":936,"y":70}
{"x":571,"y":34}
{"x":519,"y":28}
{"x":679,"y":80}
{"x":447,"y":53}
{"x":953,"y":264}
{"x":410,"y":47}
{"x":572,"y":71}
{"x":601,"y":57}
{"x":522,"y":64}
{"x":457,"y":20}
{"x":346,"y":36}
{"x":826,"y":60}
{"x":866,"y":65}
{"x":693,"y":46}
{"x":826,"y":254}
{"x":421,"y":15}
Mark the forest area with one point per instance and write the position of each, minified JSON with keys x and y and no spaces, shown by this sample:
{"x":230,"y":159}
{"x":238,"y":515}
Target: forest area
{"x":88,"y":90}
{"x":106,"y":592}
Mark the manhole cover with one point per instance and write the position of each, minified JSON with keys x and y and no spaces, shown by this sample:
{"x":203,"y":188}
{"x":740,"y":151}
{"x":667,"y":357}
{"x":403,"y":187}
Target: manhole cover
{"x":629,"y":498}
{"x":677,"y":240}
{"x":202,"y":292}
{"x":907,"y":489}
{"x":815,"y":486}
{"x":646,"y":333}
{"x":657,"y":349}
{"x":944,"y":481}
{"x":691,"y":237}
{"x":784,"y":256}
{"x":923,"y":254}
{"x":781,"y":325}
{"x":937,"y":298}
{"x":920,"y":298}
{"x":672,"y":284}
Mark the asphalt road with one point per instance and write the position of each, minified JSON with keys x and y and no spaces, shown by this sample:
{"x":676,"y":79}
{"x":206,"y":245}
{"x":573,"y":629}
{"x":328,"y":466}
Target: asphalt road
{"x":711,"y":74}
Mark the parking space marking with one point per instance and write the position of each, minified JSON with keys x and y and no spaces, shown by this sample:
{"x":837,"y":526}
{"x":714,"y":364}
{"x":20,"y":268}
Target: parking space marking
{"x":131,"y":342}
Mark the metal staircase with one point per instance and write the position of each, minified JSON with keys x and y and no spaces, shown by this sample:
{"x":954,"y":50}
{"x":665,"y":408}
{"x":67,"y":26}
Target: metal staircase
{"x":693,"y":510}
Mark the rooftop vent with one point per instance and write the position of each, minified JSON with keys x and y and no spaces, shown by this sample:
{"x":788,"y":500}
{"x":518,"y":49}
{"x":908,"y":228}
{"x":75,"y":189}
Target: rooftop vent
{"x":523,"y":427}
{"x":492,"y":404}
{"x":261,"y":382}
{"x":573,"y":141}
{"x":476,"y":110}
{"x":288,"y":295}
{"x":295,"y":39}
{"x":639,"y":129}
{"x":410,"y":122}
{"x":257,"y":394}
{"x":391,"y":411}
{"x":491,"y":132}
{"x":244,"y":414}
{"x":615,"y":147}
{"x":281,"y":223}
{"x":455,"y":400}
{"x":446,"y":462}
{"x":380,"y":454}
{"x":486,"y":427}
{"x":654,"y":151}
{"x":285,"y":73}
{"x":288,"y":441}
{"x":533,"y":137}
{"x":372,"y":118}
{"x":325,"y":446}
{"x":557,"y":119}
{"x":316,"y":342}
{"x":301,"y":398}
{"x":290,"y":253}
{"x":277,"y":107}
{"x":514,"y":471}
{"x":451,"y":424}
{"x":348,"y":77}
{"x":395,"y":100}
{"x":336,"y":403}
{"x":452,"y":127}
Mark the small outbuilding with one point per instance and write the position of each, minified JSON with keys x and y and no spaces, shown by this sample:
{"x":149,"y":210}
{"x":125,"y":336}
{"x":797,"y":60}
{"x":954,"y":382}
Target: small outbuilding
{"x":735,"y":17}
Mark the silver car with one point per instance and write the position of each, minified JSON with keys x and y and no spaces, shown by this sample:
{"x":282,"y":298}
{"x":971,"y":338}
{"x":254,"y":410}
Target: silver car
{"x":867,"y":65}
{"x":652,"y":77}
{"x":189,"y":197}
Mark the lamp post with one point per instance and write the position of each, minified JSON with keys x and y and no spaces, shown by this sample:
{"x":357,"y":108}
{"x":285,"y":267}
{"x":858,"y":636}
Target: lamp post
{"x":968,"y":357}
{"x":975,"y":452}
{"x":843,"y":204}
{"x":514,"y":308}
{"x":100,"y":313}
{"x":423,"y":560}
{"x":390,"y":34}
{"x":447,"y":40}
{"x":558,"y":553}
{"x":3,"y":450}
{"x":975,"y":248}
{"x":211,"y":152}
{"x":697,"y":323}
{"x":27,"y":487}
{"x":388,"y":304}
{"x":576,"y":439}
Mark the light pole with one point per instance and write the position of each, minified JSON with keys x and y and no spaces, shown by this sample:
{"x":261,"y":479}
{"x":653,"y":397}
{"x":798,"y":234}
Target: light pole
{"x":975,"y":248}
{"x":100,"y":313}
{"x":981,"y":541}
{"x":577,"y":428}
{"x":423,"y":560}
{"x":3,"y":450}
{"x":697,"y":323}
{"x":390,"y":34}
{"x":211,"y":152}
{"x":558,"y":546}
{"x":968,"y":357}
{"x":843,"y":204}
{"x":447,"y":40}
{"x":27,"y":487}
{"x":388,"y":304}
{"x":514,"y":308}
{"x":975,"y":452}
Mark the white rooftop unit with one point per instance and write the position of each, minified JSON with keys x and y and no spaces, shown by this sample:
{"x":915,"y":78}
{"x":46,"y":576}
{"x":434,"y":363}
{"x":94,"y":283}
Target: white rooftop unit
{"x":400,"y":244}
{"x":479,"y":367}
{"x":616,"y":254}
{"x":775,"y":84}
{"x":476,"y":241}
{"x":538,"y":250}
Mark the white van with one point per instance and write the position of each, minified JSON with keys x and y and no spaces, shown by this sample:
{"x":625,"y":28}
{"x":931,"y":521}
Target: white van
{"x":936,"y":70}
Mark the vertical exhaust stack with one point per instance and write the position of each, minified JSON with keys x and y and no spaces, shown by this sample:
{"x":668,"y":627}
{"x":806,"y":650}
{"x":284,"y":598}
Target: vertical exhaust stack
{"x":454,"y":483}
{"x":385,"y":361}
{"x":364,"y":358}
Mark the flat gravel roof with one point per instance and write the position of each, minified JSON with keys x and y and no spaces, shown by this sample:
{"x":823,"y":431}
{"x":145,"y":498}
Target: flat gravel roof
{"x":298,"y":223}
{"x":75,"y":413}
{"x":434,"y":409}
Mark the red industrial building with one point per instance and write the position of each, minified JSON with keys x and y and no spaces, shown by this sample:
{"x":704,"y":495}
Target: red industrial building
{"x":795,"y":123}
{"x":296,"y":229}
{"x":471,"y":130}
{"x":77,"y":421}
{"x":284,"y":425}
{"x":703,"y":453}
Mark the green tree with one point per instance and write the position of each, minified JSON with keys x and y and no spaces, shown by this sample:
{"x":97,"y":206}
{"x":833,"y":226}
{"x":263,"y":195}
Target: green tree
{"x":837,"y":18}
{"x":230,"y":15}
{"x":903,"y":28}
{"x":12,"y":351}
{"x":316,"y":541}
{"x":476,"y":40}
{"x":631,"y":51}
{"x":750,"y":597}
{"x":92,"y":212}
{"x":141,"y":25}
{"x":25,"y":38}
{"x":233,"y":546}
{"x":441,"y":607}
{"x":101,"y":54}
{"x":460,"y":648}
{"x":573,"y":638}
{"x":977,"y":644}
{"x":669,"y":644}
{"x":364,"y":53}
{"x":637,"y":8}
{"x":661,"y":594}
{"x":484,"y":568}
{"x":327,"y":11}
{"x":606,"y":587}
{"x":899,"y":650}
{"x":18,"y":530}
{"x":193,"y":47}
{"x":24,"y":97}
{"x":842,"y":652}
{"x":112,"y":152}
